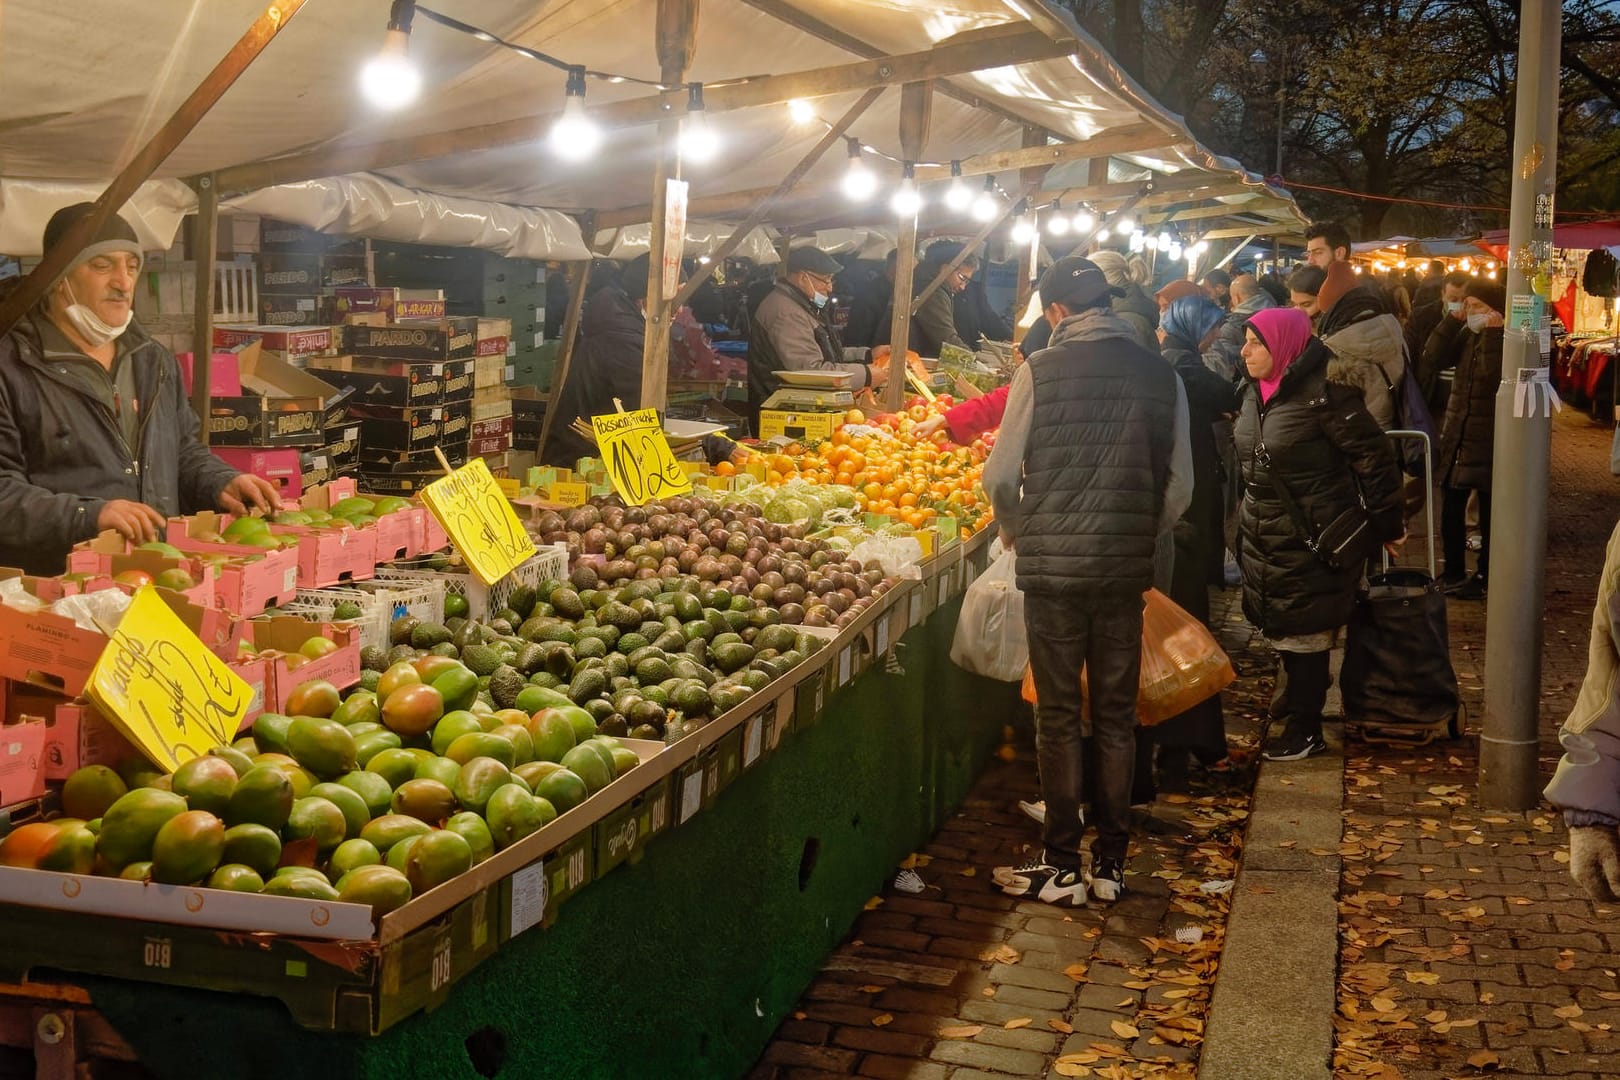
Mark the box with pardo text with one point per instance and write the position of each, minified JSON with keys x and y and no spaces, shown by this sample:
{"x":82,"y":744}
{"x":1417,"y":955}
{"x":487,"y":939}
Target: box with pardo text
{"x":280,"y":405}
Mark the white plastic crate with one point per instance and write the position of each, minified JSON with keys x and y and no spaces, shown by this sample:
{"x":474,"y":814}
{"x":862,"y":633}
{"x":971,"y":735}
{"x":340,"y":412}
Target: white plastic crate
{"x":482,"y":601}
{"x":380,"y":604}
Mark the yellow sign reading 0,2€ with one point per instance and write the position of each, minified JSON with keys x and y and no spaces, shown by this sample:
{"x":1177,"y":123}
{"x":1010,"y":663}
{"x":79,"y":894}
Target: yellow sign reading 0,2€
{"x":480,"y":521}
{"x":638,"y":458}
{"x":164,"y":689}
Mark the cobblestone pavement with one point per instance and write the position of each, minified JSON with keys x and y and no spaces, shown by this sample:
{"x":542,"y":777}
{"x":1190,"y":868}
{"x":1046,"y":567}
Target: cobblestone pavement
{"x":964,"y":983}
{"x":1466,"y":950}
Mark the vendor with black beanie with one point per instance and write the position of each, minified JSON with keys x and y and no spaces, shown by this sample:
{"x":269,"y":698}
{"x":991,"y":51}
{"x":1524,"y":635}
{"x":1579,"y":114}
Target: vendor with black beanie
{"x":96,"y":431}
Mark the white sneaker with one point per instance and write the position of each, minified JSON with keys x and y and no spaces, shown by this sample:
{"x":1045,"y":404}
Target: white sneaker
{"x":1039,"y":880}
{"x":1035,"y":810}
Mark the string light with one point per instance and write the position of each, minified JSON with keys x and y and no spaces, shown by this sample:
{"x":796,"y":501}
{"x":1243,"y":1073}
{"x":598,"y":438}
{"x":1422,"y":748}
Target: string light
{"x":1201,"y":247}
{"x":801,"y":112}
{"x":1124,"y":225}
{"x":1175,"y":251}
{"x":1023,"y":231}
{"x":1151,"y":243}
{"x":985,"y":206}
{"x":1164,"y":240}
{"x":699,"y":143}
{"x":575,"y":136}
{"x":390,"y":80}
{"x":859,"y":183}
{"x":1102,"y":233}
{"x":958,"y":196}
{"x":1057,"y":224}
{"x":907,"y":200}
{"x":1138,"y":240}
{"x":1084,"y":221}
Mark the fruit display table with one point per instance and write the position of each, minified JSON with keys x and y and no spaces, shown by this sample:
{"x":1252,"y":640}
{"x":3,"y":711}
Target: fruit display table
{"x":682,"y":961}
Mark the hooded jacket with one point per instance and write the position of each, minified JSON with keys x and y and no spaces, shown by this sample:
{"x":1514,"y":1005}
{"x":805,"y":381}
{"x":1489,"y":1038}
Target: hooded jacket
{"x":1139,"y":309}
{"x":1586,"y":784}
{"x":606,"y":365}
{"x":1232,"y":328}
{"x":63,"y":453}
{"x":1369,"y":355}
{"x":1468,"y":435}
{"x":1320,"y":441}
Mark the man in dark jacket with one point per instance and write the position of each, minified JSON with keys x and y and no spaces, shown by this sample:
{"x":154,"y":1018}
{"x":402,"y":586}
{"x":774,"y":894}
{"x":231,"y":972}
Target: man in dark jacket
{"x":1468,"y":435}
{"x":1445,"y":300}
{"x":606,"y":363}
{"x":789,"y":333}
{"x":1092,"y":465}
{"x":96,"y":431}
{"x":872,"y":309}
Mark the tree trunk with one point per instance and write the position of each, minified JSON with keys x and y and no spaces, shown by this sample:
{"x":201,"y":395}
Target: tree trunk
{"x":1127,"y":45}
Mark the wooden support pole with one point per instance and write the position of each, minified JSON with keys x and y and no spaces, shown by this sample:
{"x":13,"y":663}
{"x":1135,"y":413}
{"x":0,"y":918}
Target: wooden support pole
{"x":1031,"y":176}
{"x":676,"y":37}
{"x":950,"y":57}
{"x":579,"y":279}
{"x":204,"y":239}
{"x":916,"y":109}
{"x":148,"y":158}
{"x":834,"y":135}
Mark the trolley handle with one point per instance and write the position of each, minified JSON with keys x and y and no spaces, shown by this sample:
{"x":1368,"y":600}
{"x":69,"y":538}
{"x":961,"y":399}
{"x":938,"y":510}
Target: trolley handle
{"x":1398,"y":434}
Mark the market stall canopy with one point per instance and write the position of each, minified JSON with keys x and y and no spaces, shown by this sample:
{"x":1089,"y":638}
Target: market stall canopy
{"x":1582,"y":236}
{"x":81,"y":88}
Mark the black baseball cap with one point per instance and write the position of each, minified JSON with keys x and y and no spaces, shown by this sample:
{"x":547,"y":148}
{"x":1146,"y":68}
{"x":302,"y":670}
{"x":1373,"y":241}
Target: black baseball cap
{"x":1075,"y":282}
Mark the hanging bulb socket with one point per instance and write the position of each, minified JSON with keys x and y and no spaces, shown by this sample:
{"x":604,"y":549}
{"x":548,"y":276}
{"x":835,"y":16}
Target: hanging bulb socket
{"x":859,"y":182}
{"x":985,"y":206}
{"x":699,"y":143}
{"x":575,"y":136}
{"x":907,"y":200}
{"x":390,"y":80}
{"x":958,"y":196}
{"x":1057,"y":223}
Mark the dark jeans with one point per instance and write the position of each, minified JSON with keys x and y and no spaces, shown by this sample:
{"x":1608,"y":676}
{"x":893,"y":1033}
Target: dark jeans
{"x":1062,"y":638}
{"x":1305,"y":689}
{"x":1454,"y":531}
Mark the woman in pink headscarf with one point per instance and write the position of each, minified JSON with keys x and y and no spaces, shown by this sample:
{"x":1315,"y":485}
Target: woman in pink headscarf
{"x":1322,"y":490}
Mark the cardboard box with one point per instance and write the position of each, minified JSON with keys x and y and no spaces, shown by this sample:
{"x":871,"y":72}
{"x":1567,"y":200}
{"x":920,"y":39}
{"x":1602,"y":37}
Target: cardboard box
{"x":289,"y":272}
{"x":491,"y":403}
{"x":224,"y":377}
{"x":396,"y":383}
{"x":489,"y":429}
{"x":434,"y":538}
{"x":281,"y":406}
{"x":77,"y":735}
{"x":295,"y":309}
{"x":251,"y":581}
{"x":495,"y":444}
{"x":52,"y":650}
{"x":280,"y":636}
{"x":444,"y":339}
{"x":375,"y":462}
{"x":798,"y":425}
{"x":343,"y":445}
{"x":22,"y":762}
{"x":283,"y":467}
{"x":315,"y":469}
{"x":489,"y":372}
{"x":289,"y":341}
{"x":108,"y":555}
{"x":491,"y":331}
{"x":416,"y":305}
{"x":359,"y":300}
{"x":412,"y":430}
{"x":331,"y":556}
{"x":278,"y":236}
{"x":344,"y":270}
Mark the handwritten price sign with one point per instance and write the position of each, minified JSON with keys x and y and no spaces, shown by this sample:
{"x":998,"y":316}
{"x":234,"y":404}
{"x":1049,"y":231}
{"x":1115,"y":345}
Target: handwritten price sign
{"x":638,"y":459}
{"x":480,"y":521}
{"x":163,"y":689}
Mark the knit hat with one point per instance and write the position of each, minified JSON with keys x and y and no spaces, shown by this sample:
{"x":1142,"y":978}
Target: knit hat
{"x":115,"y":235}
{"x":1175,"y":291}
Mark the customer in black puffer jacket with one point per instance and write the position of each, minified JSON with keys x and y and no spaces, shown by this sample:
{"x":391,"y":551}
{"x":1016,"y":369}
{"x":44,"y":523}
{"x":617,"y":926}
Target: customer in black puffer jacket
{"x":1468,"y":436}
{"x":1318,"y":441}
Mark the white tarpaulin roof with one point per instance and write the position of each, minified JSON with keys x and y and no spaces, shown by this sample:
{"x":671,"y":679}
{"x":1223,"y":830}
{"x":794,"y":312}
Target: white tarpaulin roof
{"x":84,"y":84}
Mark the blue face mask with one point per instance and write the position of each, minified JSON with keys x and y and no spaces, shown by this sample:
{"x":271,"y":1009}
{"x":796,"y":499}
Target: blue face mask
{"x":819,"y":299}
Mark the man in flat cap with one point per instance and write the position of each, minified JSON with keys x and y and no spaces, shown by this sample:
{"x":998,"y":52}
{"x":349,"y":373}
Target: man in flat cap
{"x":96,"y":431}
{"x":790,"y":333}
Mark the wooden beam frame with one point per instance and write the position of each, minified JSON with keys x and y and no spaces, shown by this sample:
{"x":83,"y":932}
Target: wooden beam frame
{"x":1200,"y":213}
{"x":969,"y":54}
{"x":916,"y":111}
{"x":204,"y":241}
{"x":1251,"y":231}
{"x":962,"y":256}
{"x":146,"y":160}
{"x":834,"y":135}
{"x":1136,"y":138}
{"x":579,"y":279}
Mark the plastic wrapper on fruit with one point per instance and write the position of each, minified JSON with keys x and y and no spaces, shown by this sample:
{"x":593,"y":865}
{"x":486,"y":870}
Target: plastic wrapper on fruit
{"x":14,"y":596}
{"x":102,"y":609}
{"x":899,"y":556}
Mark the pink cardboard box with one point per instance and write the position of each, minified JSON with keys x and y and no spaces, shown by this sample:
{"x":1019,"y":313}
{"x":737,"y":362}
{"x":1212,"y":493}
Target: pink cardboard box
{"x":224,"y":374}
{"x":397,"y":535}
{"x":77,"y":735}
{"x":279,"y":636}
{"x":282,"y":466}
{"x":108,"y":555}
{"x":22,"y":762}
{"x":254,"y":580}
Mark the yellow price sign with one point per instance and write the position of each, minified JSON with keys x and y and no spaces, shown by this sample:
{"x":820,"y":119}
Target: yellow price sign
{"x":480,"y":521}
{"x":638,"y":458}
{"x":164,"y":689}
{"x":568,"y":494}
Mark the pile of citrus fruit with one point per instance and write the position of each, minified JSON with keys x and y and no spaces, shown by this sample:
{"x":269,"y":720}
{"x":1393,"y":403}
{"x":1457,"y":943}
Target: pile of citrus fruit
{"x":912,"y":480}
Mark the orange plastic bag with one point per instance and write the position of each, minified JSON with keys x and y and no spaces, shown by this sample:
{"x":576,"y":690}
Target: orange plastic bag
{"x":1182,"y":663}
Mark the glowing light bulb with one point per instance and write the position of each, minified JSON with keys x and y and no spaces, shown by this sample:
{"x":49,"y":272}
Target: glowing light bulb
{"x":575,"y":136}
{"x":1022,"y":231}
{"x":390,"y":80}
{"x":1124,"y":225}
{"x":1165,"y":240}
{"x":1102,"y":233}
{"x":1057,"y":224}
{"x":958,"y":196}
{"x":985,"y":206}
{"x":801,"y":112}
{"x":859,"y":183}
{"x":699,"y":142}
{"x":1084,"y":221}
{"x":907,"y":199}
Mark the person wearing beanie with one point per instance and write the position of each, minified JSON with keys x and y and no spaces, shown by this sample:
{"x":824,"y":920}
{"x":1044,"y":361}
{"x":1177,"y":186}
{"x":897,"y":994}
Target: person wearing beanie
{"x":1322,"y":490}
{"x":1091,"y":467}
{"x":1131,"y":302}
{"x":790,"y":332}
{"x":96,"y":430}
{"x":606,"y":363}
{"x":1368,"y":345}
{"x":1175,"y":290}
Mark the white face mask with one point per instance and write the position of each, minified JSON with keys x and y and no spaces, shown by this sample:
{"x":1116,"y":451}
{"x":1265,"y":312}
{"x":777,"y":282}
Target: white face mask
{"x":91,"y":327}
{"x":819,"y":299}
{"x":1453,"y":307}
{"x":1476,"y":323}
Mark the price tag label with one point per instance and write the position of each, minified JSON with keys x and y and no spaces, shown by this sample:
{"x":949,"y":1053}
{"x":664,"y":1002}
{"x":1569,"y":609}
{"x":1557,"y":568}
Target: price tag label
{"x":163,"y":689}
{"x":480,"y":521}
{"x":753,"y":740}
{"x":843,"y":667}
{"x":883,"y":635}
{"x":568,"y":494}
{"x":529,"y":894}
{"x":915,"y":612}
{"x":639,"y":462}
{"x":691,"y":795}
{"x":508,"y":487}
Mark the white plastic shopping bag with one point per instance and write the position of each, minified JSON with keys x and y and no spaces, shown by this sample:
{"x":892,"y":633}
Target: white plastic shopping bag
{"x":990,"y":638}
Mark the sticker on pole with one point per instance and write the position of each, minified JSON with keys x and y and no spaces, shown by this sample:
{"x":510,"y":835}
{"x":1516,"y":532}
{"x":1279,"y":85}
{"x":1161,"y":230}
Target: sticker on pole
{"x":638,"y":458}
{"x":480,"y":521}
{"x":164,"y":689}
